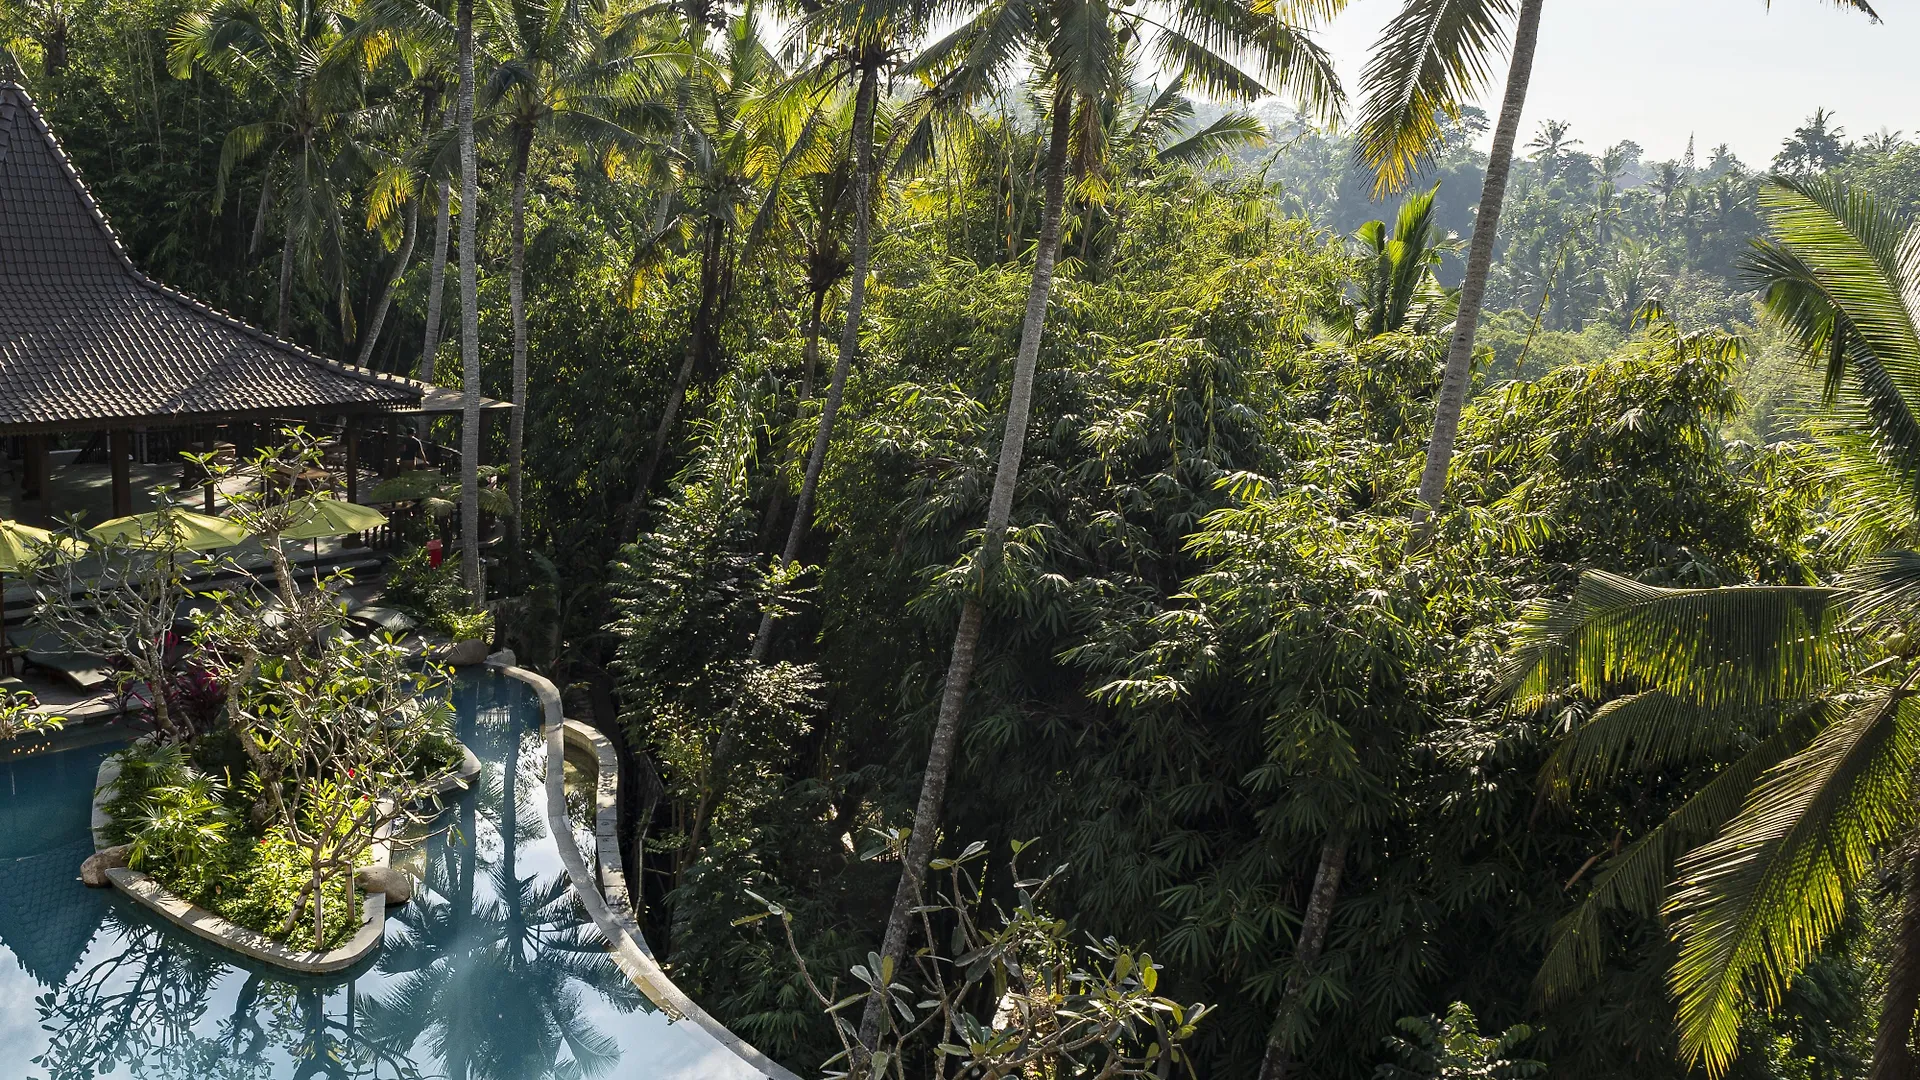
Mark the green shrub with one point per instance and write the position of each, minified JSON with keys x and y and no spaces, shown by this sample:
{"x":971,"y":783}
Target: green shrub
{"x":426,"y":592}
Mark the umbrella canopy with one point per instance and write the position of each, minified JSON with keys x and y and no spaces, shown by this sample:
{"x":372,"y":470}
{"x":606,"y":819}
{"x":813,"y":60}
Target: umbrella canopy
{"x":21,"y":545}
{"x":184,"y":528}
{"x":319,"y":516}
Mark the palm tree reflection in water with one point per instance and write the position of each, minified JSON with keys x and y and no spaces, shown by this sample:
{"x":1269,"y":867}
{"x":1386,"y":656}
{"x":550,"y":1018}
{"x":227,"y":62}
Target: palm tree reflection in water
{"x":493,"y":978}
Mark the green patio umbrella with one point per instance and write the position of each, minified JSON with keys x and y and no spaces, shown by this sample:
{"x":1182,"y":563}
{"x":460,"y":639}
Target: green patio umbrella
{"x":186,"y":529}
{"x":20,"y":547}
{"x":319,"y":516}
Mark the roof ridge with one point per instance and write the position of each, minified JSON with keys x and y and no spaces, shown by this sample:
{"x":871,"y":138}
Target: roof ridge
{"x":9,"y":103}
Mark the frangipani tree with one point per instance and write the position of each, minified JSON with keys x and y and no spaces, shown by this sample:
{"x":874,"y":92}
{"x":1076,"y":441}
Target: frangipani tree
{"x":1807,"y":691}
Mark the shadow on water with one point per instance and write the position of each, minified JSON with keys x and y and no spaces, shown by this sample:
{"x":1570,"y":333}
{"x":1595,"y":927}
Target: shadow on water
{"x":493,"y":972}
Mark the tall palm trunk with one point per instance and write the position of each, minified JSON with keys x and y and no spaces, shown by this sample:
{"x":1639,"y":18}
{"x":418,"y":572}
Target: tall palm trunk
{"x":517,"y":299}
{"x":282,"y":316}
{"x":410,"y":233}
{"x":706,"y":317}
{"x":469,"y":323}
{"x":1893,"y":1057}
{"x":810,"y":361}
{"x":865,"y":100}
{"x":966,"y":638}
{"x":1312,"y":941}
{"x":1453,"y":383}
{"x":436,"y":292}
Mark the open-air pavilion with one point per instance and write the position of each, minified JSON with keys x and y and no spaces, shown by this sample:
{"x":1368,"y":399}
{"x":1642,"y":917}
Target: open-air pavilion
{"x":107,"y":375}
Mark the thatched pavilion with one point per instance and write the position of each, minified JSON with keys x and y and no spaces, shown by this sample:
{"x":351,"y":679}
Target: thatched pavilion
{"x":90,"y":344}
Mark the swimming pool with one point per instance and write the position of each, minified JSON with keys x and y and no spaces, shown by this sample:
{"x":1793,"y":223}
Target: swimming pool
{"x":493,"y":972}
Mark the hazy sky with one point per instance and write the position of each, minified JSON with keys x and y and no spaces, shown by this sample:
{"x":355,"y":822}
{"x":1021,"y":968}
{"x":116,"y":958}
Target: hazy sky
{"x":1728,"y":71}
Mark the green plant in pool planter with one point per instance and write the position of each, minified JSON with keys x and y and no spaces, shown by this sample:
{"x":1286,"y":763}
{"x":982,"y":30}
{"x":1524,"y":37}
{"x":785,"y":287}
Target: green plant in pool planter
{"x":185,"y":827}
{"x":19,"y":715}
{"x":466,"y":625}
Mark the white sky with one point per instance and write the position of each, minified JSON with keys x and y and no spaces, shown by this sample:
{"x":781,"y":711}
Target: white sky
{"x":1730,"y":71}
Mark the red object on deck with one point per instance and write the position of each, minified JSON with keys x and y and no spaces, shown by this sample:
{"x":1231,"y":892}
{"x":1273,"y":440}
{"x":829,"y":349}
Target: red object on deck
{"x":436,"y":554}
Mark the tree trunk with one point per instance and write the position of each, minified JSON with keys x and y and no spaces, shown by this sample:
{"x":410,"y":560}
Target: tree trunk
{"x":704,"y":313}
{"x":281,"y":317}
{"x":966,"y":638}
{"x":410,"y":233}
{"x":436,"y":292}
{"x":517,"y":298}
{"x":1306,"y":950}
{"x":469,"y":323}
{"x":1453,"y":382}
{"x":1893,"y":1057}
{"x":863,"y":184}
{"x":776,"y":502}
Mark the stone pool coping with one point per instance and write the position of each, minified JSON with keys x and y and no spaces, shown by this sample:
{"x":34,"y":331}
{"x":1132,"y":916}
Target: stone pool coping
{"x":605,"y":895}
{"x":206,"y":925}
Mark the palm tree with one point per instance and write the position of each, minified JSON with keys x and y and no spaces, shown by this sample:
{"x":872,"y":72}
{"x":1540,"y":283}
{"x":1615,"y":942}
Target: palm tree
{"x":1082,"y":49}
{"x":862,"y":42}
{"x":1398,"y":290}
{"x":290,"y":53}
{"x":470,"y":568}
{"x":559,"y":77}
{"x":739,"y":146}
{"x":1432,"y":57}
{"x":1809,"y":691}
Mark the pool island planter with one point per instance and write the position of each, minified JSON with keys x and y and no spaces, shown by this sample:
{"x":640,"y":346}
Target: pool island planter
{"x":248,"y":942}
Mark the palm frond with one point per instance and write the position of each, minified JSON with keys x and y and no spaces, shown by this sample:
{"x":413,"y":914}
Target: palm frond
{"x":1635,"y":880}
{"x":1431,"y":56}
{"x":1754,"y":904}
{"x":1706,"y":647}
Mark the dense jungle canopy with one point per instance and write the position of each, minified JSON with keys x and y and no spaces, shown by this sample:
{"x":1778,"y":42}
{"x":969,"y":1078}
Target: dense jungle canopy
{"x":1293,"y":729}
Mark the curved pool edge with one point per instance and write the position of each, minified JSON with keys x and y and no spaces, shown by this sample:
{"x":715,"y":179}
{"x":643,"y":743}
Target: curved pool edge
{"x":625,"y":941}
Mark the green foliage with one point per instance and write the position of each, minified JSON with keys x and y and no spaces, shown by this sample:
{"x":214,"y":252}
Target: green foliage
{"x":1451,"y":1047}
{"x":431,"y":595}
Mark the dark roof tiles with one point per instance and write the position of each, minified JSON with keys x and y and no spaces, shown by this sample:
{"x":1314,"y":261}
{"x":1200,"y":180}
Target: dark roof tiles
{"x":84,"y":337}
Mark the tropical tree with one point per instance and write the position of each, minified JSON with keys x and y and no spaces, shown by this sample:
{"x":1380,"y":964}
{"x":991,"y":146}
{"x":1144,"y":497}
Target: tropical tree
{"x":558,"y":76}
{"x":1082,"y":49}
{"x":743,"y":138}
{"x":1808,"y":690}
{"x":1396,"y":283}
{"x":470,"y":567}
{"x":860,"y":42}
{"x":1432,"y":57}
{"x":289,"y":53}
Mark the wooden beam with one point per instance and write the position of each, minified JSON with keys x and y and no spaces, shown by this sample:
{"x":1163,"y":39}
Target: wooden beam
{"x":120,"y":453}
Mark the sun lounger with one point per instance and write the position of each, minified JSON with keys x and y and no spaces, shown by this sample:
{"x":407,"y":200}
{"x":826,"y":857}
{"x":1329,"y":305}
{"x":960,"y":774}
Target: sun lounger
{"x":46,"y":652}
{"x":377,"y":618}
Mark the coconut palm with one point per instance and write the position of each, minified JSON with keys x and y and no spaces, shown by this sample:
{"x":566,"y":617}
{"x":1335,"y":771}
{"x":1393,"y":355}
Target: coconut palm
{"x":1083,"y":51}
{"x":743,"y":139}
{"x":1809,"y":691}
{"x":558,"y":77}
{"x":861,"y":42}
{"x":1432,"y":57}
{"x":470,"y":567}
{"x":290,"y":53}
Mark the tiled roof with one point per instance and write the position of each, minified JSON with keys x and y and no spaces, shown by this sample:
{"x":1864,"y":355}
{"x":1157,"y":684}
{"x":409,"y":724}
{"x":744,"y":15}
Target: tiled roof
{"x":85,"y":337}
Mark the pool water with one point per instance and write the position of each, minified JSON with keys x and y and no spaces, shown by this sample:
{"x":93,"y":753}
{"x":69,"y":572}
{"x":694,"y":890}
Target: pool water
{"x":493,"y":972}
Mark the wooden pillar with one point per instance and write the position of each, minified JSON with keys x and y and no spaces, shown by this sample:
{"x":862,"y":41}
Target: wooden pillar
{"x":33,"y":481}
{"x":352,"y":437}
{"x":120,"y":453}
